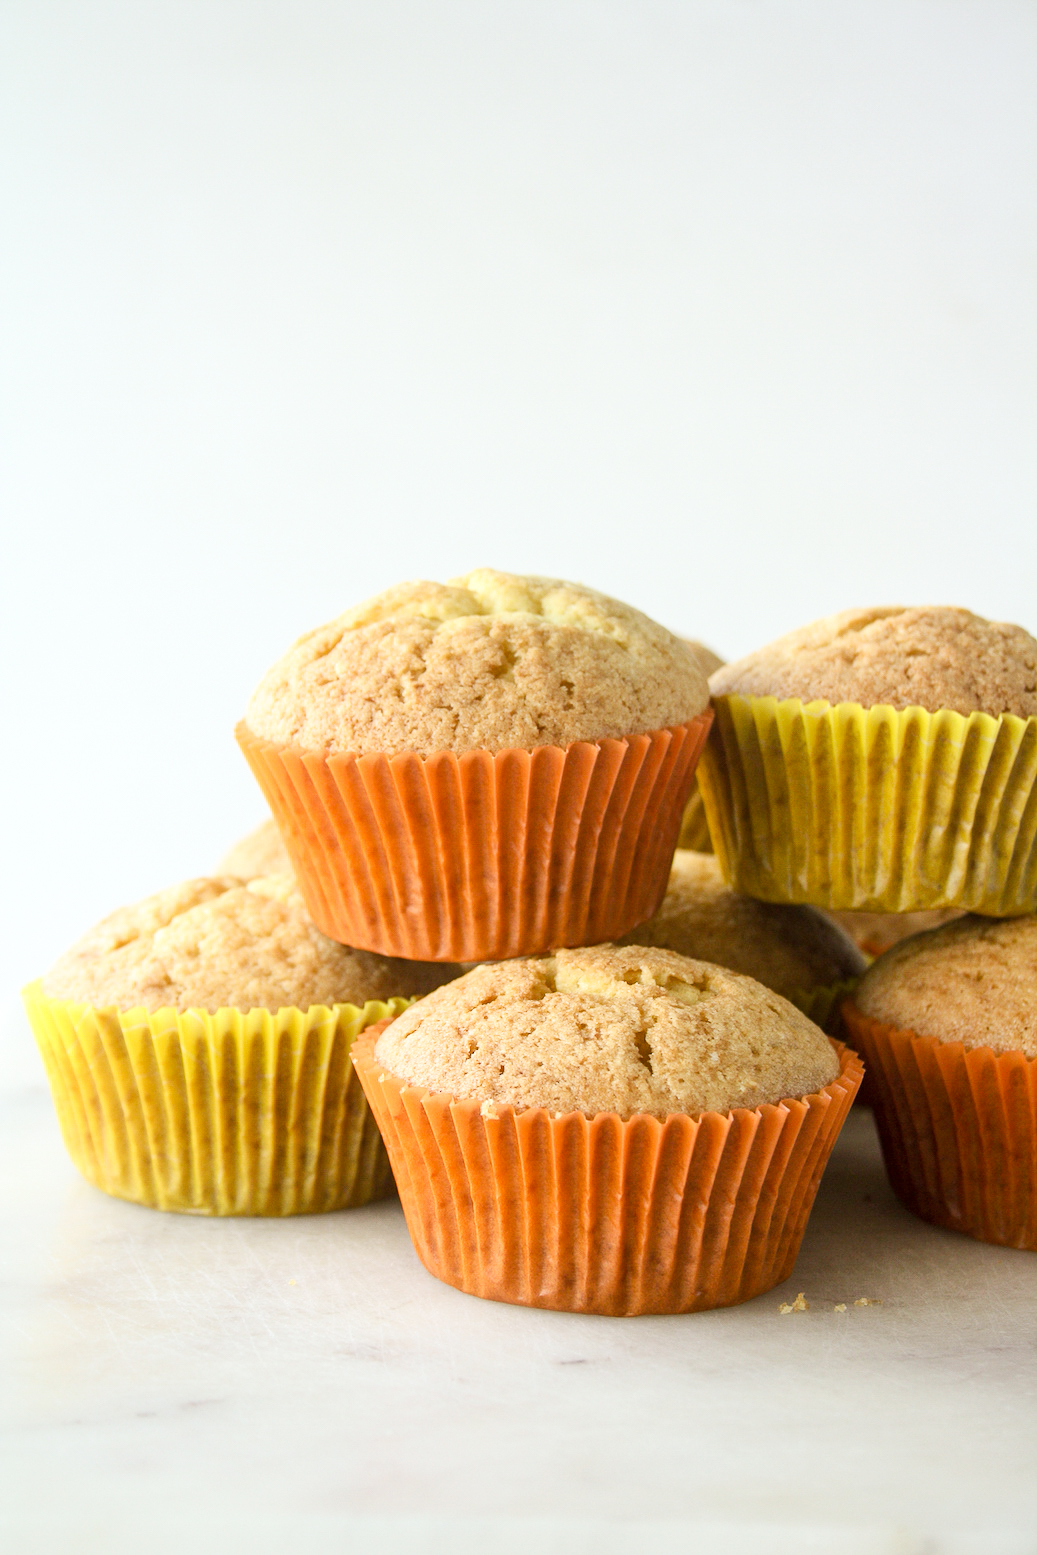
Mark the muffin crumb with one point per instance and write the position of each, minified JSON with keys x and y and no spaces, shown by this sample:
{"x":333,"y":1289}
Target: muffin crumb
{"x":801,"y":1304}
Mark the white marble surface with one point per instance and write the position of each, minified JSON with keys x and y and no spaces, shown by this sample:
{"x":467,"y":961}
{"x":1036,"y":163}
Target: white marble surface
{"x":210,"y":1385}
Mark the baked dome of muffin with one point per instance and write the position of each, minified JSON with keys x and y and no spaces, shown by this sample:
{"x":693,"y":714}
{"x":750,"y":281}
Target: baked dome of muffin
{"x":625,"y":1029}
{"x":262,"y":852}
{"x":877,"y":932}
{"x":213,"y":943}
{"x":973,"y":981}
{"x":490,"y":661}
{"x":707,"y":661}
{"x":790,"y":949}
{"x":934,"y":657}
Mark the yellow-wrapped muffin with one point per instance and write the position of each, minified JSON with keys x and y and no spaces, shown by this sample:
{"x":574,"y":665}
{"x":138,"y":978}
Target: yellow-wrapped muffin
{"x":198,"y":1049}
{"x":619,"y":1130}
{"x":882,"y":760}
{"x":795,"y":951}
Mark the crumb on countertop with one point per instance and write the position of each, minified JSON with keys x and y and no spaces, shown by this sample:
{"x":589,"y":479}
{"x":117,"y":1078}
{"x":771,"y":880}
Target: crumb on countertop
{"x":801,"y":1304}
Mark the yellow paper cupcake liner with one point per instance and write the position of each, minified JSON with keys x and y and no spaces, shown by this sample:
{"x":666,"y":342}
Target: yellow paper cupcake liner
{"x":253,"y":1112}
{"x":853,"y":808}
{"x":694,"y":827}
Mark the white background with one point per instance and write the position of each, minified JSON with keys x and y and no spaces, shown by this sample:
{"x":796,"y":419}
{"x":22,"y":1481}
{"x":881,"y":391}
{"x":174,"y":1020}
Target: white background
{"x":724,"y":307}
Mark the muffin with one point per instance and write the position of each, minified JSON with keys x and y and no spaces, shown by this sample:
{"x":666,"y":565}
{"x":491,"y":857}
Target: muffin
{"x":480,"y":769}
{"x":948,"y":1024}
{"x":880,"y":760}
{"x":262,"y":852}
{"x":612,"y":1129}
{"x":795,"y":951}
{"x":198,"y":1048}
{"x":694,"y":829}
{"x":876,"y":932}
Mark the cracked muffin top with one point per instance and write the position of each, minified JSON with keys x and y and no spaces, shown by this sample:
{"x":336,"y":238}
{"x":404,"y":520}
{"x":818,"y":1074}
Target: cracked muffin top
{"x":260,"y":853}
{"x":216,"y":943}
{"x":790,"y":949}
{"x":608,"y":1029}
{"x":489,"y":661}
{"x":971,"y":981}
{"x":933,"y":656}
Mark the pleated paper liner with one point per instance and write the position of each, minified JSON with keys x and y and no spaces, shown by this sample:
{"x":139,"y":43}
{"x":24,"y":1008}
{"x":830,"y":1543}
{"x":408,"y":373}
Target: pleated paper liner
{"x":853,"y":808}
{"x":481,"y":856}
{"x":958,"y":1130}
{"x":694,"y":833}
{"x":600,"y":1215}
{"x":232,"y":1113}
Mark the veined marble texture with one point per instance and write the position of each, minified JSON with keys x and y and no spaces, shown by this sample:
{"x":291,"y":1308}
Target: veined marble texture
{"x":174,"y":1383}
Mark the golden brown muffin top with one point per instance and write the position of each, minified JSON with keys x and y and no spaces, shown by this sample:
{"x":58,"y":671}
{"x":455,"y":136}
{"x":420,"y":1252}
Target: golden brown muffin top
{"x":791,"y":950}
{"x":932,"y":656}
{"x":608,"y":1029}
{"x":489,"y":661}
{"x":260,"y":853}
{"x":217,"y":942}
{"x":707,"y":661}
{"x":876,"y":932}
{"x":973,"y":981}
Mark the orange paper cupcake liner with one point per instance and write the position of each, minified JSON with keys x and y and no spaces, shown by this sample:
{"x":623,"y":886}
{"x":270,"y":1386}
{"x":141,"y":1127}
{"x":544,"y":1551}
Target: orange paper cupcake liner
{"x":600,"y":1215}
{"x":482,"y":856}
{"x":958,"y":1129}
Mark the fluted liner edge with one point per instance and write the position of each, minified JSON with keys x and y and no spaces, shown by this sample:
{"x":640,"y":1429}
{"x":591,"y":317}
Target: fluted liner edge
{"x":225,"y":1113}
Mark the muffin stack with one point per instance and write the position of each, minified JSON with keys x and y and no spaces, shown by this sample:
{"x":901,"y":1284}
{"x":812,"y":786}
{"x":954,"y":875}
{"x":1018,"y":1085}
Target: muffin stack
{"x":885,"y":761}
{"x":493,"y":770}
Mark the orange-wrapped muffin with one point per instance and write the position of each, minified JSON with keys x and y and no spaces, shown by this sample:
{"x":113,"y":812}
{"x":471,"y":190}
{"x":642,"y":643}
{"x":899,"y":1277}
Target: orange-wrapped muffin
{"x":615,"y":1129}
{"x":877,"y":932}
{"x":481,"y":769}
{"x":947,"y":1022}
